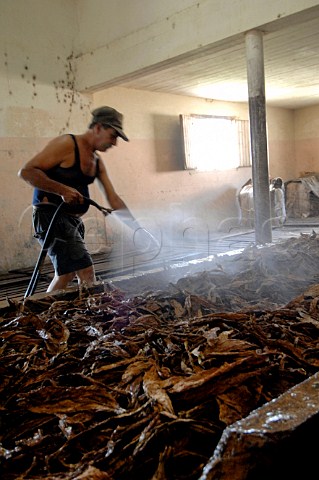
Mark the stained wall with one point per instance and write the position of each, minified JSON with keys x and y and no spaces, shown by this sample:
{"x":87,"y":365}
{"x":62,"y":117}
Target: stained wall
{"x":307,"y":140}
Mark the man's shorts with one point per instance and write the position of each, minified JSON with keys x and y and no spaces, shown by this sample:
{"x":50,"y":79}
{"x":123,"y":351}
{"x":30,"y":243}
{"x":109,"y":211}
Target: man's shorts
{"x":67,"y":249}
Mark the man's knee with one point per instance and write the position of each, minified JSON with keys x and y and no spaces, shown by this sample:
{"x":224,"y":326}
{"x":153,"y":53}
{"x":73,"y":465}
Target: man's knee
{"x":86,"y":275}
{"x":61,"y":281}
{"x":69,"y":276}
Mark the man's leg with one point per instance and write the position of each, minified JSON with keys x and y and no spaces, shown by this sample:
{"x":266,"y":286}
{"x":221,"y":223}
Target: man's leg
{"x":60,"y":282}
{"x":86,"y":275}
{"x":69,"y":252}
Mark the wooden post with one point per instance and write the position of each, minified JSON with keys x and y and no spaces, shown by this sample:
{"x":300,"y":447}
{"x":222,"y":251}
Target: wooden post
{"x":258,"y":135}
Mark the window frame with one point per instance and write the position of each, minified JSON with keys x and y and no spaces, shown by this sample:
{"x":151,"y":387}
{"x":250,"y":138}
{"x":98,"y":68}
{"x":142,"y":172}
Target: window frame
{"x":241,"y":143}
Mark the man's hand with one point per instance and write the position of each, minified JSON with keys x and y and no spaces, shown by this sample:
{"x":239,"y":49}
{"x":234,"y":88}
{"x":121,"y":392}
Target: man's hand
{"x":71,"y":195}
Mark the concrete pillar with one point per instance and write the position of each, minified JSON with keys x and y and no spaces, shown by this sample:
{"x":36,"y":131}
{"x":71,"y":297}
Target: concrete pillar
{"x":258,"y":135}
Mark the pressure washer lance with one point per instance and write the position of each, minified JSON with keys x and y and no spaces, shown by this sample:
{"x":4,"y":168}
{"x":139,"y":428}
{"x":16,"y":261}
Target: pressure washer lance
{"x":48,"y":240}
{"x":105,"y":211}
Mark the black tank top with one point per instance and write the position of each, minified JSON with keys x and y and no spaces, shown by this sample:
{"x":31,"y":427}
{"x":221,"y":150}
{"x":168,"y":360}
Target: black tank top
{"x":71,"y":176}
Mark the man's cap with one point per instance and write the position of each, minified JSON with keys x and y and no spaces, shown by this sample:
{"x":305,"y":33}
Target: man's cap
{"x":108,"y":116}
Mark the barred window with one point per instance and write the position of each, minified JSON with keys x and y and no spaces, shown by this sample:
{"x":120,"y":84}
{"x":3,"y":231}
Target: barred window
{"x":215,"y":143}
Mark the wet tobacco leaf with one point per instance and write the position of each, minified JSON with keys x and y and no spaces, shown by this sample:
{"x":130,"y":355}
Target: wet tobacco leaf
{"x":116,"y":386}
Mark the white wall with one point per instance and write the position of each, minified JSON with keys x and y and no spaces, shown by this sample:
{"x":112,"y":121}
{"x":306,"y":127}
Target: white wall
{"x":37,"y":76}
{"x":38,"y":101}
{"x":307,"y":140}
{"x":281,"y":146}
{"x":107,"y":21}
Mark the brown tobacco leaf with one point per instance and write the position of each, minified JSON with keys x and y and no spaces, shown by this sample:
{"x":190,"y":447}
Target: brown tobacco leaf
{"x":55,"y":335}
{"x":224,"y":344}
{"x":92,"y":473}
{"x":154,"y":391}
{"x":70,"y":399}
{"x":179,"y":310}
{"x":116,"y":387}
{"x":135,"y":369}
{"x":238,"y":402}
{"x":213,"y":381}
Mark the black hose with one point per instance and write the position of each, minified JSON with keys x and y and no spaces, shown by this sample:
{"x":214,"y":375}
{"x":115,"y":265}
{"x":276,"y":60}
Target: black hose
{"x":47,"y":241}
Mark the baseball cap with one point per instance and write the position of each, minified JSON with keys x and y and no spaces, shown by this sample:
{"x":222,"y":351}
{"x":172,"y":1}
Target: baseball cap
{"x":110,"y":117}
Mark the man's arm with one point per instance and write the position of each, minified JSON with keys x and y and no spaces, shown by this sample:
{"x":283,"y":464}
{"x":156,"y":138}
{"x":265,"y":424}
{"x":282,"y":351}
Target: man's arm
{"x":59,"y":151}
{"x":124,"y":213}
{"x":114,"y":200}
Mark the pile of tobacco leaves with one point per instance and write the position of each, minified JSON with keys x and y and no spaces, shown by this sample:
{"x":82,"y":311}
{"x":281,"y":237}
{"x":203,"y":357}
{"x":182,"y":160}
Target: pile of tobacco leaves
{"x":110,"y":386}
